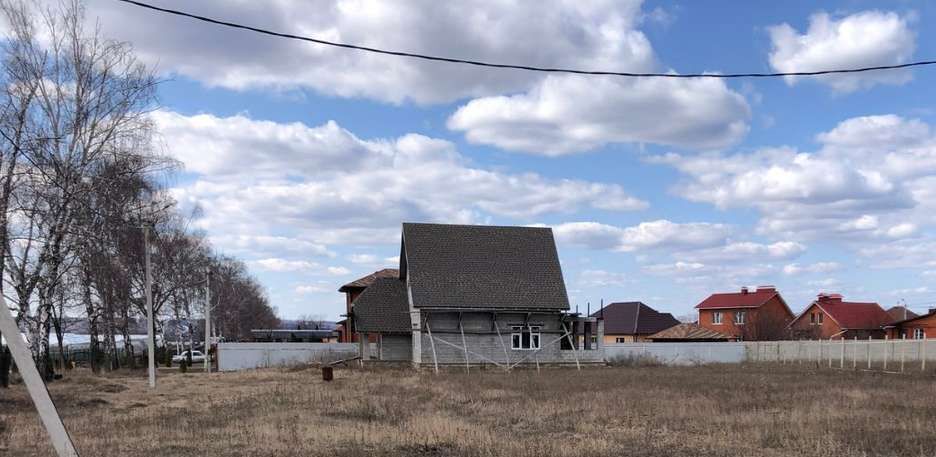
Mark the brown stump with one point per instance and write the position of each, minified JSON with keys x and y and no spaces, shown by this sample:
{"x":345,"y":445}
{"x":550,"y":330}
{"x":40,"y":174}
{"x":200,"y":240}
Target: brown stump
{"x":328,"y":373}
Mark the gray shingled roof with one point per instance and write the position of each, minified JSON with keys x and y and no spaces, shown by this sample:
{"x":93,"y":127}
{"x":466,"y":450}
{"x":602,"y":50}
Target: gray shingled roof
{"x":634,"y":318}
{"x":470,"y":266}
{"x":382,"y":307}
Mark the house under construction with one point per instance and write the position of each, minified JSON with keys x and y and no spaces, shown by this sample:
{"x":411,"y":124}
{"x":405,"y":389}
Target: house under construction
{"x":475,"y":295}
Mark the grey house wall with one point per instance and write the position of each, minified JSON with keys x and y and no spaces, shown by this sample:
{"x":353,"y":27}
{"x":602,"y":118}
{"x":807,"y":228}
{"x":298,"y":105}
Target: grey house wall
{"x":482,"y":339}
{"x":395,"y":348}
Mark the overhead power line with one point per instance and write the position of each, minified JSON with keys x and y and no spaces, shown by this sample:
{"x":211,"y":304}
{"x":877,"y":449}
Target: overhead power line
{"x":479,"y":63}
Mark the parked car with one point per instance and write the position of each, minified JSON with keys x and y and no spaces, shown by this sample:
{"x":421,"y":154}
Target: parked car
{"x":197,"y":357}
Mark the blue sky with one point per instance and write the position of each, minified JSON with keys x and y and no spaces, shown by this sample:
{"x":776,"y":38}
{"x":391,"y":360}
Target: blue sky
{"x":305,"y":159}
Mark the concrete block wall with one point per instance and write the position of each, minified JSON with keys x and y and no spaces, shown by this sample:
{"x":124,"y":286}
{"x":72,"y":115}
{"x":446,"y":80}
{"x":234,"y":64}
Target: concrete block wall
{"x":483,"y":341}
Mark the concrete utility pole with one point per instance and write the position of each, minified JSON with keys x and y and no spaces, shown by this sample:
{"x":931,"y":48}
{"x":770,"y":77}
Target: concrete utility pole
{"x":34,"y":384}
{"x":150,"y":332}
{"x":207,"y":320}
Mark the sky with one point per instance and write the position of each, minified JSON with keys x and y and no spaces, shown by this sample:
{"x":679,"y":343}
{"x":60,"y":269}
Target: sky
{"x":305,"y":159}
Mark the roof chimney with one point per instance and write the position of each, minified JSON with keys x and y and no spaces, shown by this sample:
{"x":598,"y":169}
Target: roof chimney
{"x":744,"y":291}
{"x":766,"y":288}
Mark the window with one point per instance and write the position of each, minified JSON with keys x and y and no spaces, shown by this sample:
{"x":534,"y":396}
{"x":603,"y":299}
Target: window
{"x":815,"y":318}
{"x":525,"y":337}
{"x":620,"y":340}
{"x":716,"y":318}
{"x":919,"y":334}
{"x":739,"y":317}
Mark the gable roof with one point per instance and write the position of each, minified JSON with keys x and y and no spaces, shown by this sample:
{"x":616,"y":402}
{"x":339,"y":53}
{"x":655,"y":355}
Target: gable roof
{"x":931,"y":313}
{"x":487,"y":267}
{"x":633,"y":318}
{"x":850,"y":315}
{"x":901,"y":313}
{"x":361,"y":283}
{"x":743,"y":299}
{"x":688,"y":331}
{"x":383,"y":307}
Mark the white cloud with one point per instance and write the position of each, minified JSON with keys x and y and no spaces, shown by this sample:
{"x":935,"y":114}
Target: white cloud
{"x":602,"y":278}
{"x":363,"y":258}
{"x":569,"y":114}
{"x":871,"y":178}
{"x":313,"y":289}
{"x":906,"y":253}
{"x":827,"y":283}
{"x":864,"y":39}
{"x":268,"y":245}
{"x":283,"y":265}
{"x":675,"y":268}
{"x":746,"y":251}
{"x":818,"y":267}
{"x":595,"y":34}
{"x":338,"y":271}
{"x":910,"y":291}
{"x":654,"y":234}
{"x":327,"y":186}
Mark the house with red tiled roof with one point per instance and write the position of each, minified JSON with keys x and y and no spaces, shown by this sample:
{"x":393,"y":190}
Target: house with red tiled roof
{"x":918,"y":327}
{"x":749,"y":315}
{"x":346,"y":328}
{"x":830,"y":316}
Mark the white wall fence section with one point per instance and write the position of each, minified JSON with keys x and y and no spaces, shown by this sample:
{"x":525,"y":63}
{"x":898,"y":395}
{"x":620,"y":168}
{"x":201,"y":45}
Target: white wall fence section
{"x":245,"y":356}
{"x":675,"y":353}
{"x":886,"y":355}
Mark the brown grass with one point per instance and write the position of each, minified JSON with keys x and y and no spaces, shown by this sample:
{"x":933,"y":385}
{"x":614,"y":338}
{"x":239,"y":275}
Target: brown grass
{"x":760,"y":410}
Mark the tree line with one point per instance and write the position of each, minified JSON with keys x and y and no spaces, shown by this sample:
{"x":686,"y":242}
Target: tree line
{"x":81,"y":177}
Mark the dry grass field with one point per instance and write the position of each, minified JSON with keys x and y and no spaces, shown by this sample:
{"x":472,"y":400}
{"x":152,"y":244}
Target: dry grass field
{"x":752,"y":410}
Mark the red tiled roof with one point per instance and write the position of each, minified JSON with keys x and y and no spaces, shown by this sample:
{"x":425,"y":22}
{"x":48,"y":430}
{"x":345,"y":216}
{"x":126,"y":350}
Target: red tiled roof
{"x":854,"y":315}
{"x":361,"y":283}
{"x":752,"y":299}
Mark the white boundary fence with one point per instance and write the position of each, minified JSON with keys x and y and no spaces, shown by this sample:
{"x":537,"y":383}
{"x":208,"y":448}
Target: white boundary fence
{"x":885,"y":355}
{"x":246,"y":356}
{"x":881,"y":355}
{"x":676,"y":353}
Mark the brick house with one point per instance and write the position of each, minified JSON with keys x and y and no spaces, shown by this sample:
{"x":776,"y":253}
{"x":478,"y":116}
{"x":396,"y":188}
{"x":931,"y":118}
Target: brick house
{"x":918,"y":328}
{"x":627,"y":322}
{"x":469,"y":295}
{"x":757,"y":315}
{"x":352,"y":290}
{"x":829,"y":316}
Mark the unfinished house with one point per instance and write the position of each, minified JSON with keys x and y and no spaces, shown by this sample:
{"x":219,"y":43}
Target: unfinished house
{"x":475,"y":295}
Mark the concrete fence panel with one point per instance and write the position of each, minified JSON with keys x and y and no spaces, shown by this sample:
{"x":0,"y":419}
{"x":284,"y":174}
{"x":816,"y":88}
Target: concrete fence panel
{"x":878,"y":354}
{"x":246,"y":356}
{"x":675,"y":353}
